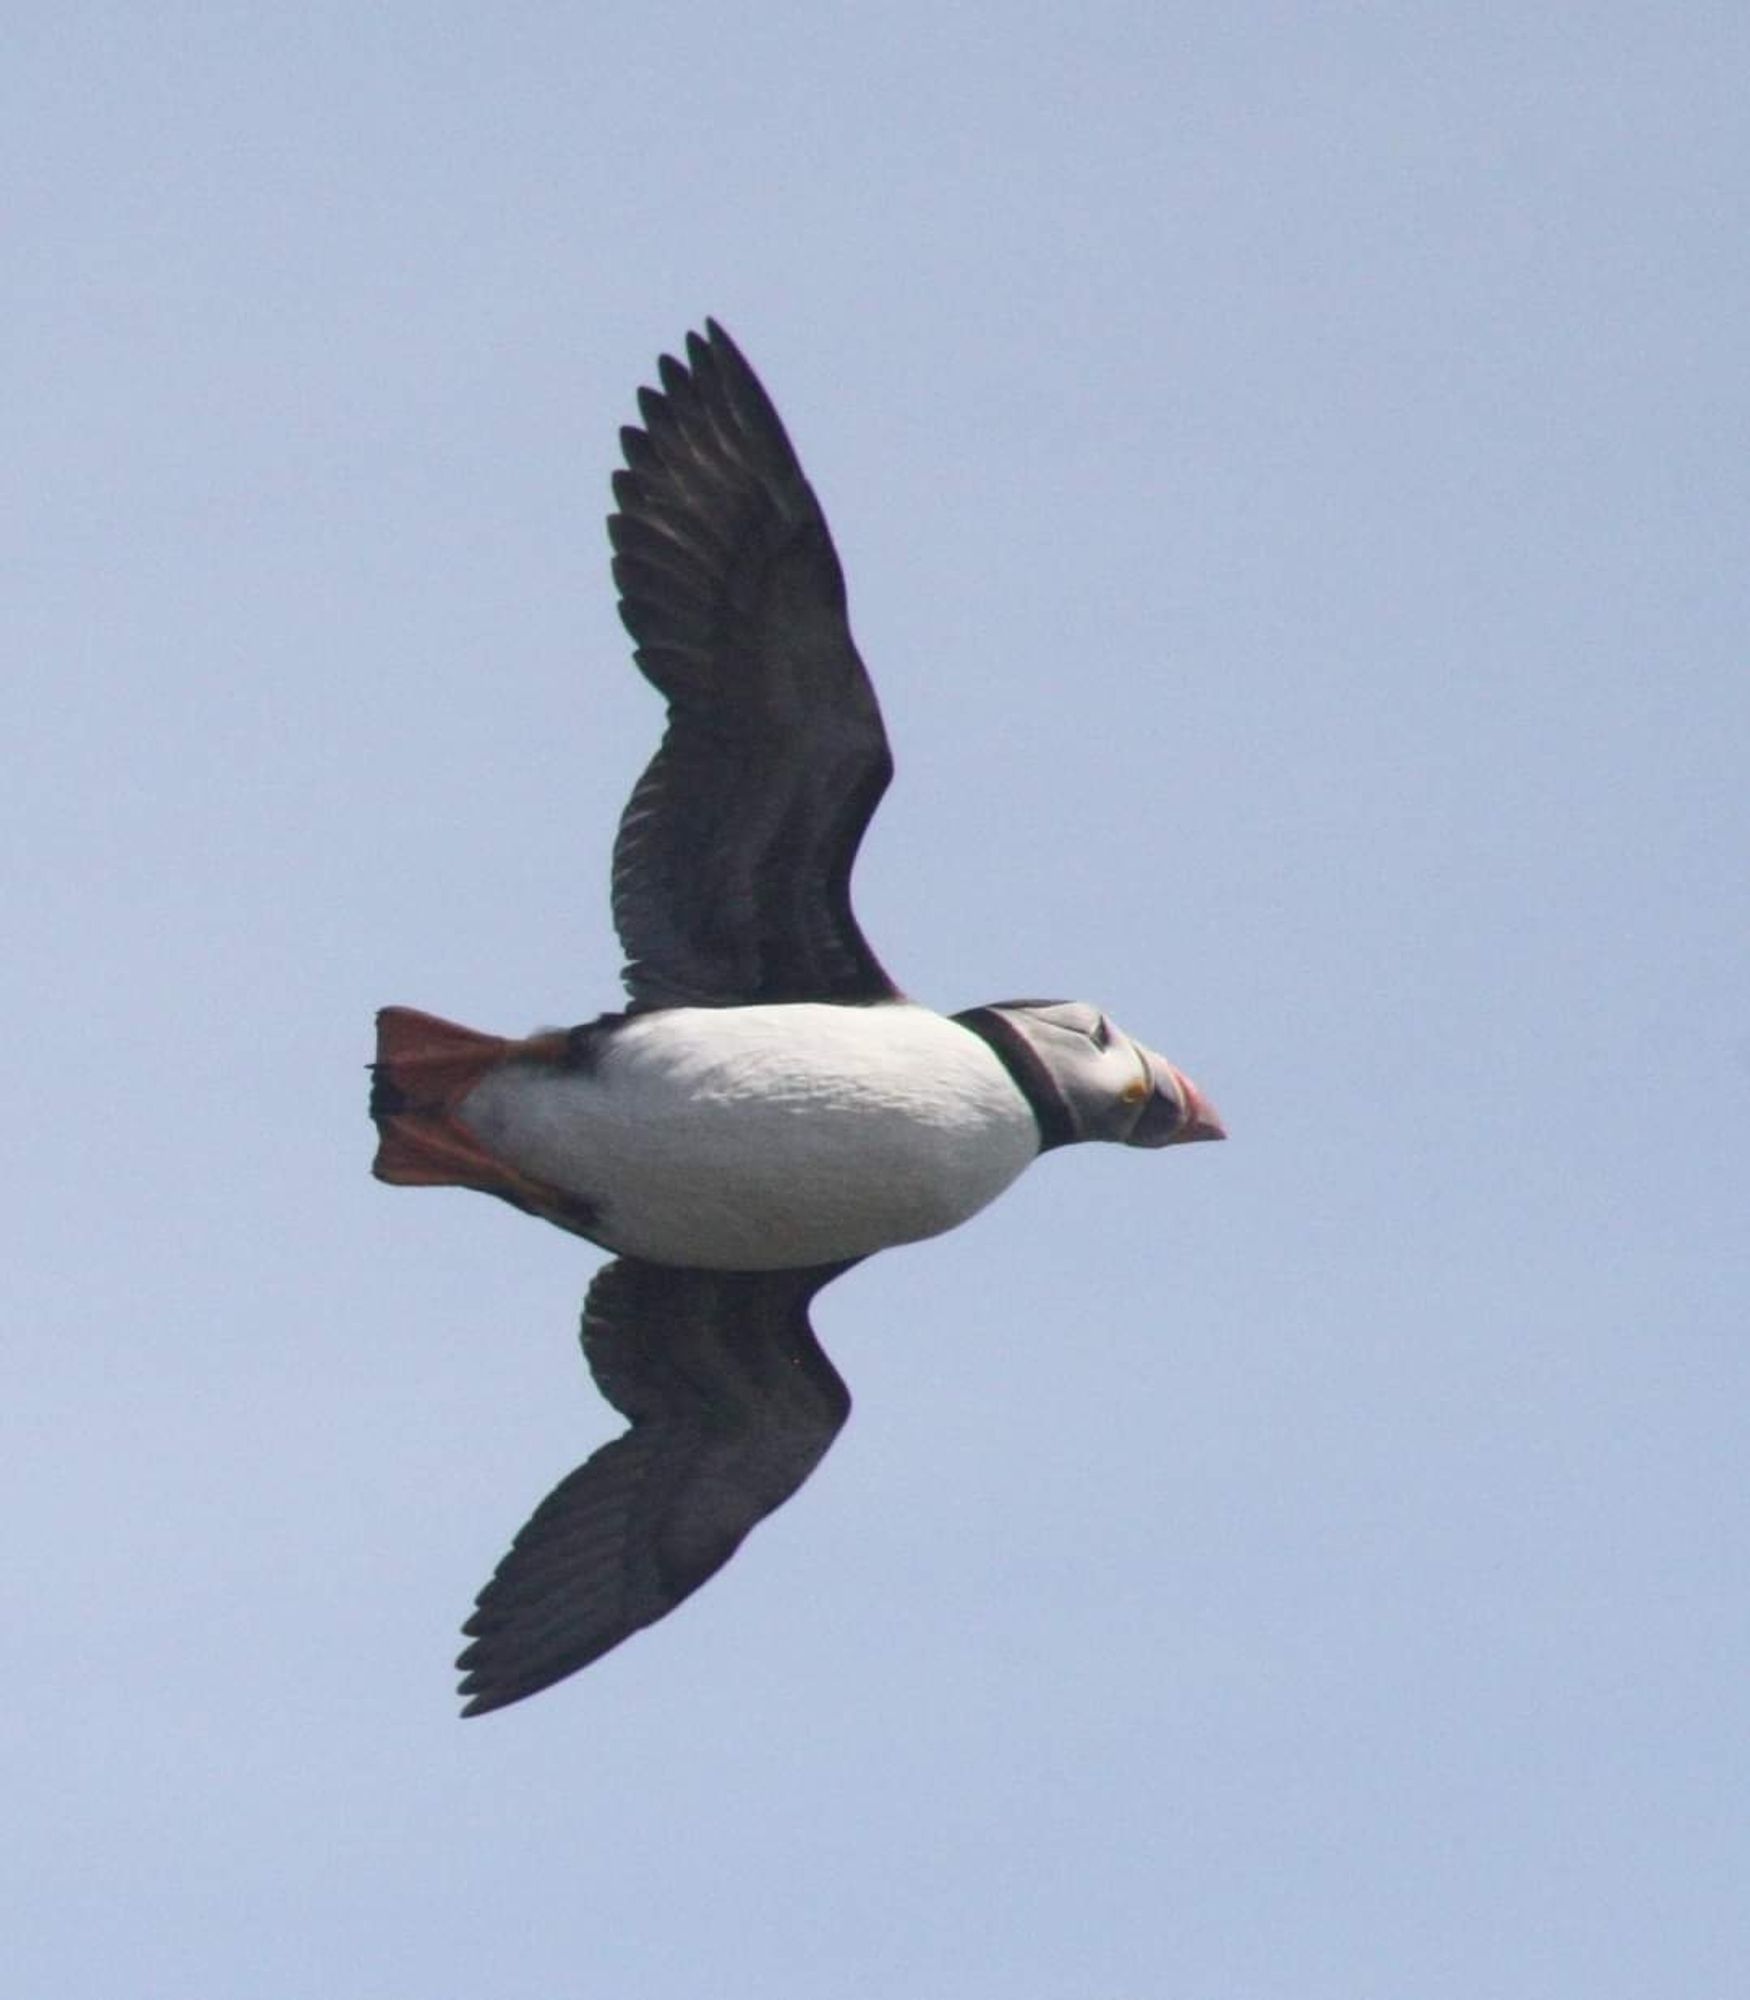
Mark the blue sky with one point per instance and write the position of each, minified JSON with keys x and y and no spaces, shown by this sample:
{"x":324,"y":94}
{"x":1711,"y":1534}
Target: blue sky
{"x":1291,"y":468}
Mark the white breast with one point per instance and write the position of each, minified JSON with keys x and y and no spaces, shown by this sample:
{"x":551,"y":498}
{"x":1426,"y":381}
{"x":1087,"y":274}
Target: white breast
{"x":758,"y":1138}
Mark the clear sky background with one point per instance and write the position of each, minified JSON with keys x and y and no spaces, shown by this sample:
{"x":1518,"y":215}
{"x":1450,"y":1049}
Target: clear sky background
{"x":1291,"y":467}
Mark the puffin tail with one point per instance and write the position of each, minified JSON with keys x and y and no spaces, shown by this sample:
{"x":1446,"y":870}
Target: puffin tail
{"x":424,"y":1069}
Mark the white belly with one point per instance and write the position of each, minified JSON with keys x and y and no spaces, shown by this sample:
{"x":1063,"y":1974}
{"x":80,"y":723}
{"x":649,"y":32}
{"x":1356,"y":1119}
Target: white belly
{"x":761,"y":1138}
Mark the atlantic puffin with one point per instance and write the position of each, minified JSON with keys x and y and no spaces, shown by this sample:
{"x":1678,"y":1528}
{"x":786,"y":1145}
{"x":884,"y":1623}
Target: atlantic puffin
{"x":769,"y":1108}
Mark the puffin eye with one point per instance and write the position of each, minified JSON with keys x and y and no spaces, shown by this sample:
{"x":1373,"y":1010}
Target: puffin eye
{"x":1100,"y":1034}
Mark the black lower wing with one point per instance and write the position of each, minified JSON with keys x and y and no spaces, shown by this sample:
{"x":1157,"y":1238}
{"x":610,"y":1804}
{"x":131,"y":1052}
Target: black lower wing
{"x":732,"y":1405}
{"x":732,"y":869}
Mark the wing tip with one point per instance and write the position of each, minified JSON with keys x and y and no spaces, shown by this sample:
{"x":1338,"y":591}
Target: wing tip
{"x":487,"y":1684}
{"x":487,"y":1701}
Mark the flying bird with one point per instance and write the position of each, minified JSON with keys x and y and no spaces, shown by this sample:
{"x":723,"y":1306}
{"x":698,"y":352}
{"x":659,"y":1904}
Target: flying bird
{"x":769,"y":1108}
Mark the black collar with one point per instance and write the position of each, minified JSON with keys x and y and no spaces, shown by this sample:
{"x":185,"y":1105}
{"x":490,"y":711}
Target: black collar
{"x":1032,"y":1079}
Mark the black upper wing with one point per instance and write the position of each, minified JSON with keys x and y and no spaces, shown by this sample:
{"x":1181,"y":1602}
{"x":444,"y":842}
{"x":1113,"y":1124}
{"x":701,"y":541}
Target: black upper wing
{"x":732,"y":1406}
{"x":732,"y":867}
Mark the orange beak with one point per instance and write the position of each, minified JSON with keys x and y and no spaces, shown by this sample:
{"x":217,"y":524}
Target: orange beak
{"x":1202,"y":1120}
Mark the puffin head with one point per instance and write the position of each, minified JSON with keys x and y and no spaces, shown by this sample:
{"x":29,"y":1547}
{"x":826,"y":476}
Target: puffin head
{"x":1088,"y":1079}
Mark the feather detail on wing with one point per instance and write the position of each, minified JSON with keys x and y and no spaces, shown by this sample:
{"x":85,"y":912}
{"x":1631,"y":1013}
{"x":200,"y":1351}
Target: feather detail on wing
{"x":731,"y":879}
{"x":732,"y":1405}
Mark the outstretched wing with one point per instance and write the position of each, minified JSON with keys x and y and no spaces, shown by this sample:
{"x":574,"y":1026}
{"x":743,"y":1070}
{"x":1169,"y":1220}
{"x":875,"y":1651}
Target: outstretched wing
{"x":732,"y":867}
{"x":732,"y":1406}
